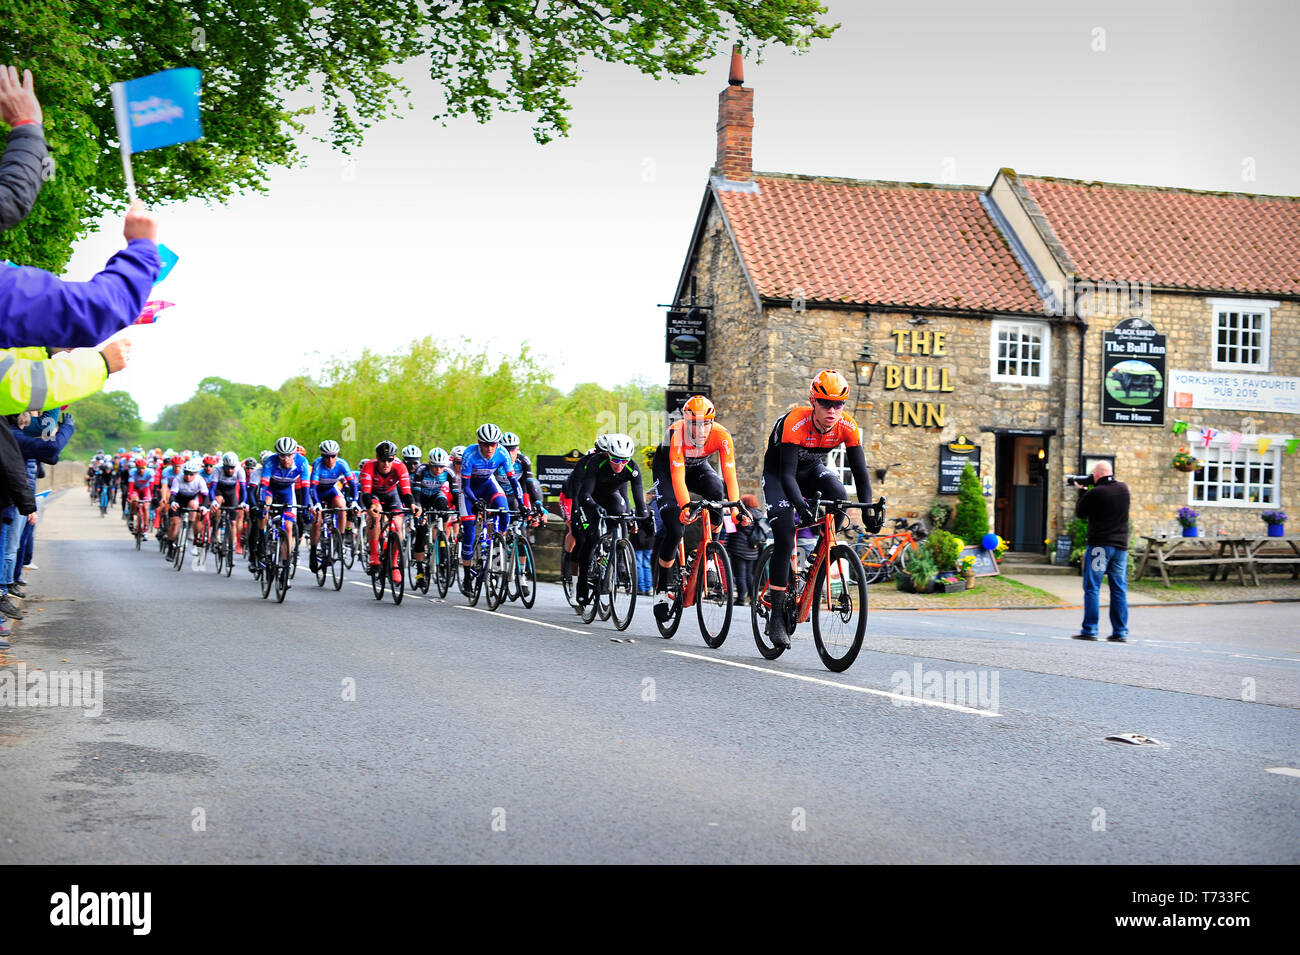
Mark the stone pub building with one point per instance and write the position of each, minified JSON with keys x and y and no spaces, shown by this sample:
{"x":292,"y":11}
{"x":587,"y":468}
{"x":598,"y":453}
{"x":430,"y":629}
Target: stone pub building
{"x":1047,"y":322}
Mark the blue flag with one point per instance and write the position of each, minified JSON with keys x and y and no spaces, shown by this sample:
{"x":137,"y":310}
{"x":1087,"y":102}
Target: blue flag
{"x":169,"y":260}
{"x":158,"y":110}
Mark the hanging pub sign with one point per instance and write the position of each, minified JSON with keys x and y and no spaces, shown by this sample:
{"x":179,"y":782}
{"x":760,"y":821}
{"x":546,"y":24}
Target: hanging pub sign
{"x":953,"y":459}
{"x":687,"y":340}
{"x":675,"y":398}
{"x":552,"y":470}
{"x":1133,"y":375}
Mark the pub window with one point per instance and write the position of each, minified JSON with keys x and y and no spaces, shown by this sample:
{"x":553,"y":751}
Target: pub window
{"x":1241,"y":478}
{"x":1020,"y":352}
{"x":835,"y":460}
{"x":1240,"y":335}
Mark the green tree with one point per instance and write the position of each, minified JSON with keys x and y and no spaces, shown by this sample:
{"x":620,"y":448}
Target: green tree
{"x":971,"y":522}
{"x":207,"y":422}
{"x":486,"y":57}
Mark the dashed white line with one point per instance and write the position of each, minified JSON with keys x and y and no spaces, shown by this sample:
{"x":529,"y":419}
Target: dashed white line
{"x":1284,"y":771}
{"x":841,"y":686}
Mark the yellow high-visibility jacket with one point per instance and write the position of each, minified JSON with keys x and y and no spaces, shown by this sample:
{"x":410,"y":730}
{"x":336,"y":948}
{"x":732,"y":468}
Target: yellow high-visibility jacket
{"x":32,"y":380}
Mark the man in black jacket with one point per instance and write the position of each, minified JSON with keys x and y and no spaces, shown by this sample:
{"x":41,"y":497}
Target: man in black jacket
{"x":22,"y":168}
{"x":1105,"y":506}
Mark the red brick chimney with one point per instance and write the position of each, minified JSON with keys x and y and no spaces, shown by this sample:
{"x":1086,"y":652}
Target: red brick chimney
{"x":736,"y":125}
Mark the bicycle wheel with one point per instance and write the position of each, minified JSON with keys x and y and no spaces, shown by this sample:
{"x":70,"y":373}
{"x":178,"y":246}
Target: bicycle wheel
{"x":322,"y":565}
{"x":219,"y":547}
{"x":397,"y":570}
{"x":511,"y":549}
{"x":201,"y":552}
{"x":378,"y":578}
{"x":182,"y":540}
{"x":525,"y":572}
{"x":604,"y":599}
{"x":335,"y":554}
{"x":901,"y":559}
{"x":620,"y":583}
{"x":349,"y":550}
{"x":840,"y":623}
{"x":566,"y":576}
{"x":283,"y":572}
{"x":760,"y":609}
{"x":229,"y":544}
{"x":676,"y":600}
{"x":443,"y":566}
{"x":498,"y":573}
{"x":713,"y":598}
{"x":269,"y":547}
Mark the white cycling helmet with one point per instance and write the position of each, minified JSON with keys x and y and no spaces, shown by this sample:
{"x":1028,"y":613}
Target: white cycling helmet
{"x":286,"y":445}
{"x":621,"y":446}
{"x":510,"y":440}
{"x":329,"y":448}
{"x":411,"y":452}
{"x":602,"y":443}
{"x":489,"y":434}
{"x":192,"y":466}
{"x":458,"y":452}
{"x":439,"y":458}
{"x":230,"y":460}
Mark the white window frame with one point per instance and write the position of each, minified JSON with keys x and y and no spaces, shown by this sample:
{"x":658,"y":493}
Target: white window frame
{"x":1220,"y":306}
{"x":835,"y":460}
{"x":1246,"y":457}
{"x":1045,"y":359}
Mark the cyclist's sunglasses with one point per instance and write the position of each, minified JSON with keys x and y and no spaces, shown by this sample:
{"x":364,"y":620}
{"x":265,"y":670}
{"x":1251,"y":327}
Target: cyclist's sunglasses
{"x":385,"y":457}
{"x":829,"y":405}
{"x":619,"y":460}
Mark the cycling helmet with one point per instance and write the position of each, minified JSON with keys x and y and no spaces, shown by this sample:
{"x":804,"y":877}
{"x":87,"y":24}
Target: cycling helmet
{"x":439,"y":458}
{"x":489,"y":433}
{"x":192,"y":466}
{"x":385,"y":451}
{"x":829,"y":386}
{"x":602,"y":443}
{"x":250,"y":462}
{"x":121,"y":450}
{"x":139,"y":463}
{"x":621,"y":446}
{"x":510,"y":440}
{"x":177,"y":460}
{"x":300,"y":450}
{"x":286,"y":445}
{"x":699,"y":408}
{"x":411,"y":452}
{"x":264,"y":455}
{"x":329,"y":448}
{"x":458,"y":452}
{"x":230,"y":460}
{"x":209,"y":460}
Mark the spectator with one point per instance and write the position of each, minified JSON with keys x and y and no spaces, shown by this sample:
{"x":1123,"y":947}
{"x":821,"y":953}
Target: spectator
{"x":22,"y":169}
{"x":16,"y":499}
{"x":40,"y":450}
{"x":643,"y":542}
{"x":742,"y":548}
{"x":1105,"y":505}
{"x":36,"y":379}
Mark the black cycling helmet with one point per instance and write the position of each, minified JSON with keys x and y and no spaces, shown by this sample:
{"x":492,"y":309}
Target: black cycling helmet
{"x":385,"y":451}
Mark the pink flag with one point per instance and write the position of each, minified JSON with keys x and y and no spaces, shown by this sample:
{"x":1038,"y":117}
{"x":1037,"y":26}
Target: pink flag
{"x":1208,"y":435}
{"x":1234,"y":441}
{"x":151,"y":310}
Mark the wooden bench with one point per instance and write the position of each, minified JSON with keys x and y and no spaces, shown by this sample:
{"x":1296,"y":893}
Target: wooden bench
{"x":1217,"y":553}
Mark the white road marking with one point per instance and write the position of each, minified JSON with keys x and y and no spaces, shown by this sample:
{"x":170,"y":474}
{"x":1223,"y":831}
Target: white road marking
{"x":842,"y":686}
{"x":1284,"y":771}
{"x":539,"y":623}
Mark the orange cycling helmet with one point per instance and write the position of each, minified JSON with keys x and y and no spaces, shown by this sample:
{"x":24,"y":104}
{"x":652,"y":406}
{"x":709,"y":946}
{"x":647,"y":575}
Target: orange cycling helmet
{"x":829,"y":386}
{"x":699,"y":408}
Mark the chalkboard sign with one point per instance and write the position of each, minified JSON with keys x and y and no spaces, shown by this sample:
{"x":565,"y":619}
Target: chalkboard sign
{"x":674,"y":398}
{"x":1064,"y":544}
{"x":952,"y":463}
{"x":986,"y":565}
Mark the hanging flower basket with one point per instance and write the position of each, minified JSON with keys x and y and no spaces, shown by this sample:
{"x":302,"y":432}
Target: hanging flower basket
{"x":1185,"y":461}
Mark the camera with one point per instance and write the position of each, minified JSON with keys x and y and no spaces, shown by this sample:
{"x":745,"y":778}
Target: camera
{"x":1084,"y":479}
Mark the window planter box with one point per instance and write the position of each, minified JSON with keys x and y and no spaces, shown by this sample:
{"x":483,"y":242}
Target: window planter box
{"x":950,"y":588}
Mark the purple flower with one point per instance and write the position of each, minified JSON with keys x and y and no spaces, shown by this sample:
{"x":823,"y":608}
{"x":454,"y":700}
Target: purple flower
{"x":1187,"y":517}
{"x":1274,"y":517}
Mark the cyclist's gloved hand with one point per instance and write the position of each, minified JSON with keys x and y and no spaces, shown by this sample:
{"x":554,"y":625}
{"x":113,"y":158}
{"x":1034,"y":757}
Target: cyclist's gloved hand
{"x":805,"y":515}
{"x":642,"y":514}
{"x":874,"y":520}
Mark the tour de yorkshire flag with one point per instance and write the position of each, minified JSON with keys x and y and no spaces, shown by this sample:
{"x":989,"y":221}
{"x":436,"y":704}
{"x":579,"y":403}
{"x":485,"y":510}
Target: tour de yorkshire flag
{"x":158,"y":110}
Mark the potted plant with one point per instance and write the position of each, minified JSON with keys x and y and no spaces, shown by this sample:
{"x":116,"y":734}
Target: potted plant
{"x":920,"y":574}
{"x":1188,"y":517}
{"x":1184,"y":460}
{"x":1275,"y":521}
{"x":940,"y":511}
{"x":967,"y":567}
{"x":949,"y":584}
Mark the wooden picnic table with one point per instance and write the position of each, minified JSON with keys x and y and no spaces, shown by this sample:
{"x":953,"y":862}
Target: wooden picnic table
{"x":1254,"y":548}
{"x":1218,"y":553}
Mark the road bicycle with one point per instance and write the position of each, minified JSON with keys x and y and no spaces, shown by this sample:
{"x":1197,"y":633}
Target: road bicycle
{"x":489,"y":571}
{"x":701,"y":579}
{"x":522,"y":583}
{"x":391,"y":572}
{"x":833,"y":583}
{"x":329,"y":549}
{"x":103,"y":499}
{"x":442,"y":556}
{"x":183,"y":534}
{"x":884,"y":556}
{"x":611,"y":575}
{"x":274,"y":553}
{"x":223,"y":541}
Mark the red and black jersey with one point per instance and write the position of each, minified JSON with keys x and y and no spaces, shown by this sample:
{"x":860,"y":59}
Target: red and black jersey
{"x":397,"y":478}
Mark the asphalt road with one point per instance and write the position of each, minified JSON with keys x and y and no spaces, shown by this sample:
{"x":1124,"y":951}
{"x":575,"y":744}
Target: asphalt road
{"x":525,"y":736}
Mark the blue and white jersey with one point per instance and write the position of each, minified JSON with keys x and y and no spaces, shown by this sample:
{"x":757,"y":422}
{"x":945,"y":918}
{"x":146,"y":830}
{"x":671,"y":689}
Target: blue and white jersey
{"x":323,"y":479}
{"x":475,"y":468}
{"x":291,"y":485}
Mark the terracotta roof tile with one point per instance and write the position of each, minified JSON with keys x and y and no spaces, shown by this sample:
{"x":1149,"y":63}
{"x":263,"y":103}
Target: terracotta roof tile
{"x":1174,"y":238}
{"x":897,"y":244}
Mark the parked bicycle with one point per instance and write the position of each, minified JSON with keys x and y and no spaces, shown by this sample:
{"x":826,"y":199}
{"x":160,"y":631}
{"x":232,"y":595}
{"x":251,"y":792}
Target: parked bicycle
{"x":834,"y":583}
{"x":884,"y":556}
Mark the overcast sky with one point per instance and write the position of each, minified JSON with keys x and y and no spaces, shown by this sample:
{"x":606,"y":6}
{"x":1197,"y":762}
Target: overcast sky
{"x":477,"y":231}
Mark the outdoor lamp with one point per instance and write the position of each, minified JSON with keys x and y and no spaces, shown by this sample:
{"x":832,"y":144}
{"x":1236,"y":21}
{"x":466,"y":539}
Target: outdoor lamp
{"x":864,"y":366}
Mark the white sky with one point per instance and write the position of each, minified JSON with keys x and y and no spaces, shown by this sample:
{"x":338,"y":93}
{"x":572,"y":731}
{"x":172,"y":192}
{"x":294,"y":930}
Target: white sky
{"x":477,"y":231}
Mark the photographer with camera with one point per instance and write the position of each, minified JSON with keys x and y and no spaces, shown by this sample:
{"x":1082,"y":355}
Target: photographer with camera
{"x":1104,"y":503}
